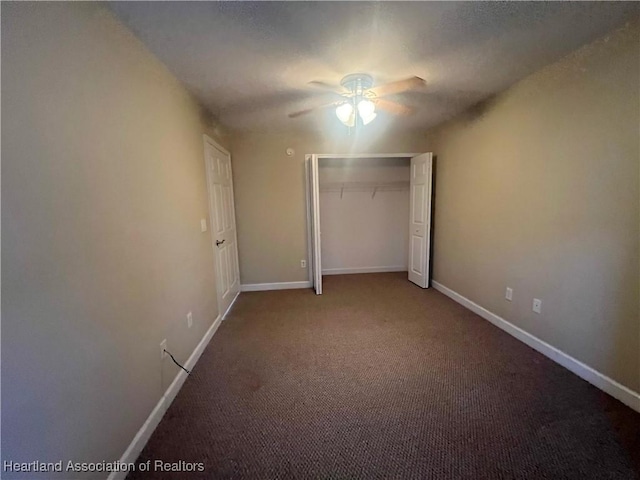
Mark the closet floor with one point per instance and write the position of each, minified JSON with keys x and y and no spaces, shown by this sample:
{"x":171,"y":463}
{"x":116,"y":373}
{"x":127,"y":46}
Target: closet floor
{"x":378,"y":378}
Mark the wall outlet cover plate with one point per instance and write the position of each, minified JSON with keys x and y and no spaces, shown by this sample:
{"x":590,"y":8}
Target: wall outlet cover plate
{"x":537,"y":305}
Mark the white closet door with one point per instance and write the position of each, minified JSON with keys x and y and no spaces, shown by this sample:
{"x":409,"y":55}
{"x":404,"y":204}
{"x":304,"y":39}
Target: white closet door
{"x":420,"y":219}
{"x":316,"y":244}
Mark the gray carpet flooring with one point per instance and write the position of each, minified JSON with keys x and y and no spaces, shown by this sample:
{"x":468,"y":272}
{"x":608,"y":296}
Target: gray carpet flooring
{"x":379,"y":379}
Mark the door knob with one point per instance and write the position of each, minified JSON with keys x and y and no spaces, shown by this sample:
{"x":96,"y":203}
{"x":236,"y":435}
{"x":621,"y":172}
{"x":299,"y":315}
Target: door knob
{"x":218,"y":243}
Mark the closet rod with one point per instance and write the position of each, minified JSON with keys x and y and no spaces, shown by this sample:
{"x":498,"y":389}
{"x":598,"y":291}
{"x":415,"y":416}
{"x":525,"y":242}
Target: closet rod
{"x":363,"y":187}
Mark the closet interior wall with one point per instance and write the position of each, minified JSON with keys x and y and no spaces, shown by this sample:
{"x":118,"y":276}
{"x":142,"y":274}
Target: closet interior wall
{"x":364,"y":214}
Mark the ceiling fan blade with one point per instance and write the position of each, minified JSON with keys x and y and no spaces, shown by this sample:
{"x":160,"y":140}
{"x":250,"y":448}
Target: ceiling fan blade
{"x":410,"y":83}
{"x":323,"y":85}
{"x":336,"y":89}
{"x":339,"y":89}
{"x":309,"y":110}
{"x":392,"y":107}
{"x":301,"y":112}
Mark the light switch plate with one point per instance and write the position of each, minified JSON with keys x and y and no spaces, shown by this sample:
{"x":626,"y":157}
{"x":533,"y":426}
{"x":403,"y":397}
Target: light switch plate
{"x":203,"y":225}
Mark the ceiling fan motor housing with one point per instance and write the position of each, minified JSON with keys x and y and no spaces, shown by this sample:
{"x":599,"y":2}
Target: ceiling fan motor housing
{"x":357,"y":83}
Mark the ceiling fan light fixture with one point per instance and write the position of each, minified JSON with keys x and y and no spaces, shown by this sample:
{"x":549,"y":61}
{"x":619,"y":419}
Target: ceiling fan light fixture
{"x":369,"y":119}
{"x":367,"y":111}
{"x":345,"y":114}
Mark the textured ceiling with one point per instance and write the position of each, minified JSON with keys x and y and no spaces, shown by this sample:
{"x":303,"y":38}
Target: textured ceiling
{"x":250,"y":62}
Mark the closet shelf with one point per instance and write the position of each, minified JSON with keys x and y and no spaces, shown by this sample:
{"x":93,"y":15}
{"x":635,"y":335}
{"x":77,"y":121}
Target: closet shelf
{"x":374,"y":187}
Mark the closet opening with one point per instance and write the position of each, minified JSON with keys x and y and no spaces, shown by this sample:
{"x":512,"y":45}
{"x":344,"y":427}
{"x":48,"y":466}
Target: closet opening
{"x":369,"y":213}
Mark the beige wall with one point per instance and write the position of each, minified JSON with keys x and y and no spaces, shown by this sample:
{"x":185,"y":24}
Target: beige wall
{"x":538,"y":190}
{"x":103,"y":189}
{"x":270,"y":195}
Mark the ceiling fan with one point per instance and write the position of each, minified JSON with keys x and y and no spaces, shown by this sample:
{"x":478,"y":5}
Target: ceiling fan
{"x":359,"y":98}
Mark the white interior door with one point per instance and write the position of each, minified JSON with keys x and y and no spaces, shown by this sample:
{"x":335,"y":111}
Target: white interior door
{"x":420,"y":219}
{"x":223,"y":224}
{"x":316,"y":240}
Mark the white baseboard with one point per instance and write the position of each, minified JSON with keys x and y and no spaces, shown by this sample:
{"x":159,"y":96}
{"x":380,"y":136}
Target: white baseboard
{"x":144,"y":434}
{"x":345,"y":271}
{"x":259,"y":287}
{"x":224,"y":315}
{"x":604,"y":383}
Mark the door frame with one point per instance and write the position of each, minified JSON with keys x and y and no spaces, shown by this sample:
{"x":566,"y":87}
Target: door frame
{"x":309,"y":204}
{"x":206,"y":139}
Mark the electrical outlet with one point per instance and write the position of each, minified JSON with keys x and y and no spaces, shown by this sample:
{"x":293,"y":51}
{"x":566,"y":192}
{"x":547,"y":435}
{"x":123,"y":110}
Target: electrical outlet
{"x":189,"y":320}
{"x":303,"y":264}
{"x":509,"y":294}
{"x":537,"y":305}
{"x":163,"y":347}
